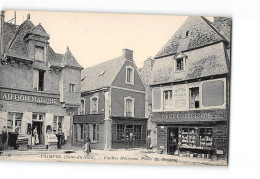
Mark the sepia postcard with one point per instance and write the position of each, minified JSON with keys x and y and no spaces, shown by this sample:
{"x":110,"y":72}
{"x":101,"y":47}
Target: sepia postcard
{"x":114,"y":88}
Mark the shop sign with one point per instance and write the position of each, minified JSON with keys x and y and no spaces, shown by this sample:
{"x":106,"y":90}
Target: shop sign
{"x":203,"y":115}
{"x":28,"y":98}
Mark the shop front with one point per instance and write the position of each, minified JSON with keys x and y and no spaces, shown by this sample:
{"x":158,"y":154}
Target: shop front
{"x":129,"y":132}
{"x":201,"y":134}
{"x":32,"y":118}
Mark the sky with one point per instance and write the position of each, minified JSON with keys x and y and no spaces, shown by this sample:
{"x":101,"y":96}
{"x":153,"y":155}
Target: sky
{"x":97,"y":37}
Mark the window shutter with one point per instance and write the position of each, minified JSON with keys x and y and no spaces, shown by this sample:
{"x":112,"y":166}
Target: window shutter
{"x":213,"y":93}
{"x":156,"y":98}
{"x":35,"y":79}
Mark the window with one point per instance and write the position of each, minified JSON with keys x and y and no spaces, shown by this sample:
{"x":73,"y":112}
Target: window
{"x":95,"y":132}
{"x":58,"y":124}
{"x":82,"y":107}
{"x":187,"y":33}
{"x":129,"y":75}
{"x":167,"y":100}
{"x":94,"y":105}
{"x":129,"y":107}
{"x":38,"y":80}
{"x":179,"y":64}
{"x":194,"y":97}
{"x":39,"y":53}
{"x":72,"y":87}
{"x":38,"y":117}
{"x":14,"y":122}
{"x":129,"y":132}
{"x":120,"y":129}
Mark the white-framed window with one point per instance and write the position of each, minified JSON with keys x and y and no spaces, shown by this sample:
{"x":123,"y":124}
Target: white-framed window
{"x":38,"y":80}
{"x":71,"y":87}
{"x":14,"y":122}
{"x":167,"y":100}
{"x":194,"y":97}
{"x":179,"y":64}
{"x":129,"y":106}
{"x":82,"y":106}
{"x":129,"y":75}
{"x":38,"y":117}
{"x":94,"y":129}
{"x":58,"y":124}
{"x":82,"y":131}
{"x":94,"y":105}
{"x":39,"y":53}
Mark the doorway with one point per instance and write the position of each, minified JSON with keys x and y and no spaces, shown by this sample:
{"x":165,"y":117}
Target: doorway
{"x":172,"y":140}
{"x":39,"y":126}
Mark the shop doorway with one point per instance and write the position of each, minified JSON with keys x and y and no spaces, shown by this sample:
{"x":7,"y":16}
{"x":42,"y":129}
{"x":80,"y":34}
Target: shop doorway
{"x":172,"y":140}
{"x":39,"y":127}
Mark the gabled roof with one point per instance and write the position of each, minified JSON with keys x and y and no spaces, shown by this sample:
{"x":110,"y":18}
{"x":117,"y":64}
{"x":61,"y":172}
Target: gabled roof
{"x":17,"y":47}
{"x":39,"y":30}
{"x":204,"y":62}
{"x":69,"y":60}
{"x":15,"y":44}
{"x":195,"y":32}
{"x":101,"y":75}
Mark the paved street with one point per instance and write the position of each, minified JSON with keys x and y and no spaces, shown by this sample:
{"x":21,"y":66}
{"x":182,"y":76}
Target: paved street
{"x":133,"y":156}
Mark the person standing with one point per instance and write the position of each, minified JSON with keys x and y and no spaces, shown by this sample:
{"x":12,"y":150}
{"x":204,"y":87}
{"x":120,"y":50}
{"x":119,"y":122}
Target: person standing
{"x":4,"y":137}
{"x":36,"y":136}
{"x":87,"y":146}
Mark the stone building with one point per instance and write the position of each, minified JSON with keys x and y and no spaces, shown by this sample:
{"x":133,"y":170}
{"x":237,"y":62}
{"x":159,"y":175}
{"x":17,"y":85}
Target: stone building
{"x":38,"y":87}
{"x":190,"y":84}
{"x":112,"y":112}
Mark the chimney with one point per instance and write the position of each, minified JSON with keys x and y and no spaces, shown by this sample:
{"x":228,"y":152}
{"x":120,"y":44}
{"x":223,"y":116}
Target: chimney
{"x":2,"y":34}
{"x":28,"y":16}
{"x":128,"y":54}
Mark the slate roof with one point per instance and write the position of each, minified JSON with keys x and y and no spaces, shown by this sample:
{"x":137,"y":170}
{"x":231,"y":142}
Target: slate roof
{"x":203,"y":62}
{"x":200,"y":33}
{"x":101,"y":75}
{"x":15,"y":44}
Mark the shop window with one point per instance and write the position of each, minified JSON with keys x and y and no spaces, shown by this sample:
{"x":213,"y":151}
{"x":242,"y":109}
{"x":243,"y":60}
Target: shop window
{"x":94,"y":105}
{"x":196,"y":137}
{"x":95,"y":132}
{"x":14,"y":122}
{"x":71,"y":87}
{"x":120,"y":129}
{"x":58,"y":124}
{"x":76,"y":131}
{"x":129,"y":75}
{"x":179,"y":64}
{"x":82,"y":107}
{"x":194,"y":98}
{"x":38,"y":80}
{"x":167,"y":100}
{"x":129,"y":107}
{"x":39,"y":53}
{"x":137,"y":132}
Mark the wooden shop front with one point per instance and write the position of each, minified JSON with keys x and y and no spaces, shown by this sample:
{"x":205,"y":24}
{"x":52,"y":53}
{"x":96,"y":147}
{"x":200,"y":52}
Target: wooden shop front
{"x":128,"y":132}
{"x":201,"y":134}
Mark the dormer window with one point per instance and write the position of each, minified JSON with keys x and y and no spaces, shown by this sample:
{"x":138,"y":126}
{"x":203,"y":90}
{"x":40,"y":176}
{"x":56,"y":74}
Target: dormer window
{"x":180,"y":64}
{"x":39,"y":53}
{"x":129,"y":75}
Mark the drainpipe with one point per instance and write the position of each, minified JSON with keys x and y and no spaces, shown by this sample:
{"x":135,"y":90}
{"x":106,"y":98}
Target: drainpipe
{"x":2,"y":34}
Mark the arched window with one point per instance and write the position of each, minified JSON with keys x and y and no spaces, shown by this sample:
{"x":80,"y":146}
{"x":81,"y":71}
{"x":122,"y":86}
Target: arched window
{"x":129,"y":107}
{"x":93,"y":105}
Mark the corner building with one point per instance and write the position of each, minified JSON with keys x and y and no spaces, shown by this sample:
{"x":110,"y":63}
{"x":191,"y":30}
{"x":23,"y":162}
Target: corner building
{"x":38,"y":87}
{"x":190,"y":90}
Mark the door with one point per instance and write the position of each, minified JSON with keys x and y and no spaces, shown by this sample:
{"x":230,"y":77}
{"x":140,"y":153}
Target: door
{"x":129,"y":136}
{"x":39,"y":126}
{"x":172,"y":140}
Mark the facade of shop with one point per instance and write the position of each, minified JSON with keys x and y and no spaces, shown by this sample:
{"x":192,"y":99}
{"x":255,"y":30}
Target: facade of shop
{"x":190,"y":90}
{"x":38,"y":87}
{"x":112,"y":112}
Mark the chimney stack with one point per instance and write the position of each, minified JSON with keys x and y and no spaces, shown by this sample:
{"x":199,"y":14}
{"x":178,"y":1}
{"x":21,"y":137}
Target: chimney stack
{"x":2,"y":34}
{"x":128,"y":54}
{"x":28,"y":16}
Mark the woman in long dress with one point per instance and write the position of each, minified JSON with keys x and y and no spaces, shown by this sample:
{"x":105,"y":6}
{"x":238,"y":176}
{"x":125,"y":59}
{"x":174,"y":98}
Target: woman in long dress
{"x":87,"y":145}
{"x":36,"y":136}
